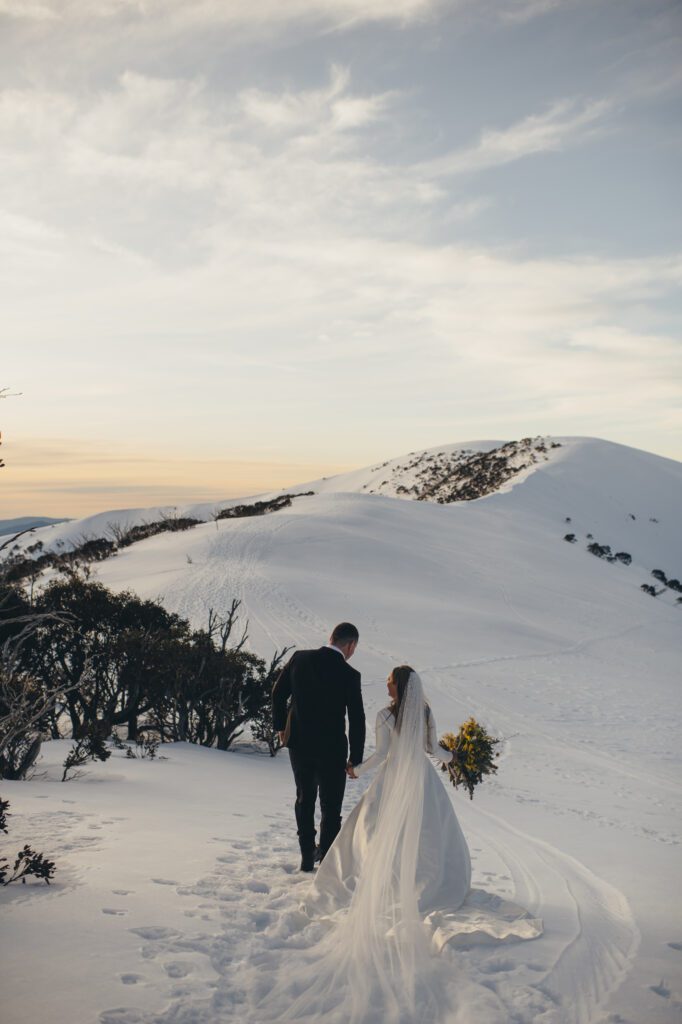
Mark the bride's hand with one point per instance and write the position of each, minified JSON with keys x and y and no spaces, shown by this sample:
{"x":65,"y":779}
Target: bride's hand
{"x":349,"y":771}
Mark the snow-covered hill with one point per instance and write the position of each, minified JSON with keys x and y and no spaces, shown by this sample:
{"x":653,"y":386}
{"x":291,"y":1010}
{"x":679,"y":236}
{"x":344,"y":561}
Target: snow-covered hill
{"x":556,"y":650}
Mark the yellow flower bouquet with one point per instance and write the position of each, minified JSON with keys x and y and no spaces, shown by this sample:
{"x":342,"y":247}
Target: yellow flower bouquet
{"x":474,"y":755}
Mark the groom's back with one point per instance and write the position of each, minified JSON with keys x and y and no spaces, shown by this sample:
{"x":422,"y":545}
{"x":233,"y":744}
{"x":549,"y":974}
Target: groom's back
{"x":322,"y":686}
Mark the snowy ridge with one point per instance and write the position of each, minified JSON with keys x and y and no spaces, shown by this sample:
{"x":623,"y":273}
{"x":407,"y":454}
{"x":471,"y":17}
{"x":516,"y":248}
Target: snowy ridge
{"x":454,"y":473}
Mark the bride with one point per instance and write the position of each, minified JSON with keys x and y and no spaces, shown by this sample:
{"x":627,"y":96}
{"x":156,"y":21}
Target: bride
{"x":385,"y":898}
{"x":421,"y":812}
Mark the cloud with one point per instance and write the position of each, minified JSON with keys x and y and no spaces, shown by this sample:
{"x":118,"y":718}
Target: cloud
{"x":519,"y":11}
{"x":156,"y":165}
{"x":216,"y":12}
{"x":300,"y":111}
{"x":564,"y":123}
{"x":245,"y":271}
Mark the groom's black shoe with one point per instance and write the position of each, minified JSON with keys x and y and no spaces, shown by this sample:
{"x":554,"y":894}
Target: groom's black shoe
{"x":318,"y":854}
{"x":307,"y":862}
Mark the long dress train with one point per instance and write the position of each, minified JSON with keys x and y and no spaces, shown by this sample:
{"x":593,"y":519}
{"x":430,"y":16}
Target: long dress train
{"x":451,"y":911}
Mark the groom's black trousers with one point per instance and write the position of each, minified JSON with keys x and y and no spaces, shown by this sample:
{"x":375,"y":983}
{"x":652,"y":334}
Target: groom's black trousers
{"x":328,"y":775}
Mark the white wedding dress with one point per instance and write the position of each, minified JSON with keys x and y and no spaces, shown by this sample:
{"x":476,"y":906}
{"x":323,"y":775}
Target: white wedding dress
{"x":443,"y":872}
{"x":391,"y":895}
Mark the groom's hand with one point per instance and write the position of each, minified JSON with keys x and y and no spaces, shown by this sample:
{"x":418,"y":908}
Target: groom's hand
{"x":281,"y":736}
{"x":349,"y":771}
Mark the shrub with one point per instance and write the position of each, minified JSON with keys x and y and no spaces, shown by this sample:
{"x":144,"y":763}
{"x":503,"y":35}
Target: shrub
{"x":260,"y":508}
{"x":27,"y":861}
{"x":107,"y":653}
{"x":599,"y":550}
{"x":88,"y":748}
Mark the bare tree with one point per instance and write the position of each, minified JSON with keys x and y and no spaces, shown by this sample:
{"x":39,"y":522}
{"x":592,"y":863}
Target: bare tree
{"x":262,"y":726}
{"x":221,"y":629}
{"x":117,"y":531}
{"x":25,"y":703}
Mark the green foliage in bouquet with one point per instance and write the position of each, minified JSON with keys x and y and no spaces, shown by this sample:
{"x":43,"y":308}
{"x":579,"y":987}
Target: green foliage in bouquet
{"x":474,"y":755}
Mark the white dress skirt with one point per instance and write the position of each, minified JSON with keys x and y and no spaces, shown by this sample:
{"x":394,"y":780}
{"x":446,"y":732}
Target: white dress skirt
{"x":452,"y":911}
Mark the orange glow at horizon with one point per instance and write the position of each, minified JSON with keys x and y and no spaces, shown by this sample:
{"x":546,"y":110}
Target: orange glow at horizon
{"x":64,"y":477}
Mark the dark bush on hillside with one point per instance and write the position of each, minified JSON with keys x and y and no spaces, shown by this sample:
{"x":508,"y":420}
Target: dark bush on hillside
{"x":571,"y":538}
{"x":599,"y":550}
{"x":105,"y":654}
{"x":96,"y":550}
{"x":260,"y":508}
{"x":648,"y":589}
{"x":121,"y":661}
{"x":213,"y":687}
{"x":658,"y":574}
{"x":18,"y":567}
{"x":169,"y":524}
{"x":623,"y":556}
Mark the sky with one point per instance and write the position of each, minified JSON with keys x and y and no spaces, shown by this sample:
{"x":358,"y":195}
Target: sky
{"x":247,"y":243}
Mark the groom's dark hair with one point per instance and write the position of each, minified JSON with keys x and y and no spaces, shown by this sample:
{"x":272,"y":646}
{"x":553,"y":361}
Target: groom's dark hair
{"x":344,"y":633}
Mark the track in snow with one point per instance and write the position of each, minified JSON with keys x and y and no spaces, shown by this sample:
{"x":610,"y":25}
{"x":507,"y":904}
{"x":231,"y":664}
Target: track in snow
{"x":252,"y":928}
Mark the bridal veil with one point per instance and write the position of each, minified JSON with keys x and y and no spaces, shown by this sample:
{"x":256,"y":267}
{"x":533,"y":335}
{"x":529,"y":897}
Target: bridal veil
{"x":375,"y":957}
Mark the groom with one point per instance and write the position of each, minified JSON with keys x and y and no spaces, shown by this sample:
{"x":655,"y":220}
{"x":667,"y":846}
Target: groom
{"x":310,"y":699}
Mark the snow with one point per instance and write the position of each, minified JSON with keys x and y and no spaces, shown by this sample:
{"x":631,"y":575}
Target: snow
{"x":553,"y":649}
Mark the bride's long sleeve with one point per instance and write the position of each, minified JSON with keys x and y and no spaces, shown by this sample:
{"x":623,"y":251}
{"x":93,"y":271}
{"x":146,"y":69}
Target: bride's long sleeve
{"x":383,"y":739}
{"x":433,"y":747}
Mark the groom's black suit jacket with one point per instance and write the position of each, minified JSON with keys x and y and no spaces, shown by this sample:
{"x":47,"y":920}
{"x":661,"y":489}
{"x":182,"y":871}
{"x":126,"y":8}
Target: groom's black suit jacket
{"x":322,"y":687}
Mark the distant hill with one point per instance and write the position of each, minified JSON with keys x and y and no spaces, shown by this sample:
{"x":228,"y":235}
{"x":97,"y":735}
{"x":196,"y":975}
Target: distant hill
{"x":8,"y":526}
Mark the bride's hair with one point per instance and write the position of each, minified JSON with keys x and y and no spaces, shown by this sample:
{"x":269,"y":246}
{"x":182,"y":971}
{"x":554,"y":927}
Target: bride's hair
{"x":400,"y":676}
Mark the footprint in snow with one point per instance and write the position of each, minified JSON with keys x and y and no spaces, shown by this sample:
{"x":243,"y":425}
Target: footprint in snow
{"x":177,"y":969}
{"x":122,"y":892}
{"x":154,"y":932}
{"x":660,"y":990}
{"x":131,"y":979}
{"x":257,"y":886}
{"x":115,"y":911}
{"x":675,"y":945}
{"x":121,"y":1015}
{"x":164,"y":881}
